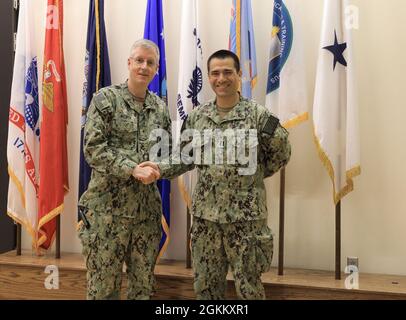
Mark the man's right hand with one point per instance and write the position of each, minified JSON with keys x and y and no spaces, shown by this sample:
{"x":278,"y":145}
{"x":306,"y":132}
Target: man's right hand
{"x":146,"y":172}
{"x":149,"y":164}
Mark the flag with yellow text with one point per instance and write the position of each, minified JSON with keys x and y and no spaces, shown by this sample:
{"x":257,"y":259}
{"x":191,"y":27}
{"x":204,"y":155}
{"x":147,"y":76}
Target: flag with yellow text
{"x":53,"y":151}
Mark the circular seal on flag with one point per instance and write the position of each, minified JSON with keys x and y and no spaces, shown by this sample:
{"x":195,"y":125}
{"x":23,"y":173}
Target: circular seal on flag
{"x":281,"y":44}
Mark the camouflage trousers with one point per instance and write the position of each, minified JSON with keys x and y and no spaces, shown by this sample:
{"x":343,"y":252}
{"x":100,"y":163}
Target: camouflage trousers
{"x":112,"y":241}
{"x":246,"y":247}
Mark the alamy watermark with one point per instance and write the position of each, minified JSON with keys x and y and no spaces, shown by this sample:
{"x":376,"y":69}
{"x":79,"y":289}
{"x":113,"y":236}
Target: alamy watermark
{"x":52,"y":281}
{"x":236,"y":147}
{"x":351,"y":17}
{"x":352,"y":281}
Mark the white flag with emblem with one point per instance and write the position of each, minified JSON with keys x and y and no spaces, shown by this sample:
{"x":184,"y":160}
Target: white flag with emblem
{"x":190,"y":81}
{"x":23,"y":132}
{"x":335,"y":110}
{"x":286,"y":92}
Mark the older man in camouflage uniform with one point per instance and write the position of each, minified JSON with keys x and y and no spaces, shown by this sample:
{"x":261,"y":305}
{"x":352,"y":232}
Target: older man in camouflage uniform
{"x":229,"y":204}
{"x":122,"y":220}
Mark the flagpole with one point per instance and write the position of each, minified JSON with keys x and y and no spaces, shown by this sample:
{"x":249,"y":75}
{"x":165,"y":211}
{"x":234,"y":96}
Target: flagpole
{"x":281,"y":221}
{"x":58,"y":237}
{"x":16,"y":7}
{"x":188,"y":252}
{"x":18,"y":239}
{"x":338,"y":241}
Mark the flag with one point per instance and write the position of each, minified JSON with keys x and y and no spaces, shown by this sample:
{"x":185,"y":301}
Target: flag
{"x":286,"y":92}
{"x":242,"y":43}
{"x":190,"y":81}
{"x":335,"y":110}
{"x":97,"y":75}
{"x":154,"y":31}
{"x":23,"y":130}
{"x":54,"y":112}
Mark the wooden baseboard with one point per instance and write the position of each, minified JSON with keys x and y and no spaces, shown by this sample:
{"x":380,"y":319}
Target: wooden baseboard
{"x":23,"y":277}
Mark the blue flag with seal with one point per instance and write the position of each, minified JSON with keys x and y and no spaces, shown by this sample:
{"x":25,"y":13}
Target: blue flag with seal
{"x":154,"y":31}
{"x":97,"y":75}
{"x":242,"y":43}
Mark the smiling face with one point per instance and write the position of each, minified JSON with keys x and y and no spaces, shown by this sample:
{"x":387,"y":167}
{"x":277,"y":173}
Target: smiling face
{"x":224,"y":78}
{"x":142,"y":66}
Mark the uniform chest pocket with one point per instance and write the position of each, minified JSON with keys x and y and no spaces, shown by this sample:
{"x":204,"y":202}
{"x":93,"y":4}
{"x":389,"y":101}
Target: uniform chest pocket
{"x":124,"y":131}
{"x":124,"y":123}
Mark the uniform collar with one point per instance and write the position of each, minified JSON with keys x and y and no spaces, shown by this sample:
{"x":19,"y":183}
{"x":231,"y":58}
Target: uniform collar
{"x":239,"y":112}
{"x":129,"y":99}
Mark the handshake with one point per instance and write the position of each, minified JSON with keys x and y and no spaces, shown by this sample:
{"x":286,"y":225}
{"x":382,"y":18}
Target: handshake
{"x":146,"y":172}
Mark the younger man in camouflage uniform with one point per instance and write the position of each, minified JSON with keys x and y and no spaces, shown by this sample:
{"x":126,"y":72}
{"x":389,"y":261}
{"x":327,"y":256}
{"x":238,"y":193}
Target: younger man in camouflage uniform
{"x":123,"y":215}
{"x":229,"y":209}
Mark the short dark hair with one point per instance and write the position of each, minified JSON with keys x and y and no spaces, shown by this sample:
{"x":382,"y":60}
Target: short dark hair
{"x":223,"y":54}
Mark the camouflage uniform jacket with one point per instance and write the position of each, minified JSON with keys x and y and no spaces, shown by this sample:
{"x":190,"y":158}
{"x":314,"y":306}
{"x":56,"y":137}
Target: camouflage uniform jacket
{"x":221,"y":194}
{"x":116,"y":139}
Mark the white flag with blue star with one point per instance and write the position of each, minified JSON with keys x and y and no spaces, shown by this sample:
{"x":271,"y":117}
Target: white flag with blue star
{"x":335,"y":109}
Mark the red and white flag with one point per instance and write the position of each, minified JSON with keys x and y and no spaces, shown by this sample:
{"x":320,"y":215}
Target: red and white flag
{"x":23,"y":133}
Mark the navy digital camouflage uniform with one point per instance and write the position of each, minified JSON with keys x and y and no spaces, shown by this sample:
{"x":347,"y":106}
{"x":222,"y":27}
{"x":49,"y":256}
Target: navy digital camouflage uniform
{"x":229,"y":210}
{"x":124,"y":214}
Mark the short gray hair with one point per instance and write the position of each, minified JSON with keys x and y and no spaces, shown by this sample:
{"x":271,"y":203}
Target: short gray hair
{"x":147,"y":44}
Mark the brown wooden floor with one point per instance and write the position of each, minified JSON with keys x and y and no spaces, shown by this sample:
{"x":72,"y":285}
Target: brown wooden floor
{"x":22,"y":277}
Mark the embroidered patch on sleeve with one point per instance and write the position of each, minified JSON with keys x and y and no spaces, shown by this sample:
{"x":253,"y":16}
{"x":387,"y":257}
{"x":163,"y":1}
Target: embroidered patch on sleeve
{"x":271,"y":125}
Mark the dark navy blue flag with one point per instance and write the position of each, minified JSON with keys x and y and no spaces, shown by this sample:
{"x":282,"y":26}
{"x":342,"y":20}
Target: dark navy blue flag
{"x":97,"y":75}
{"x":154,"y":31}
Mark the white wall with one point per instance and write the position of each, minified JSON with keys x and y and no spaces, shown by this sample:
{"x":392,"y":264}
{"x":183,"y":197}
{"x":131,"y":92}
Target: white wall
{"x":373,"y":215}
